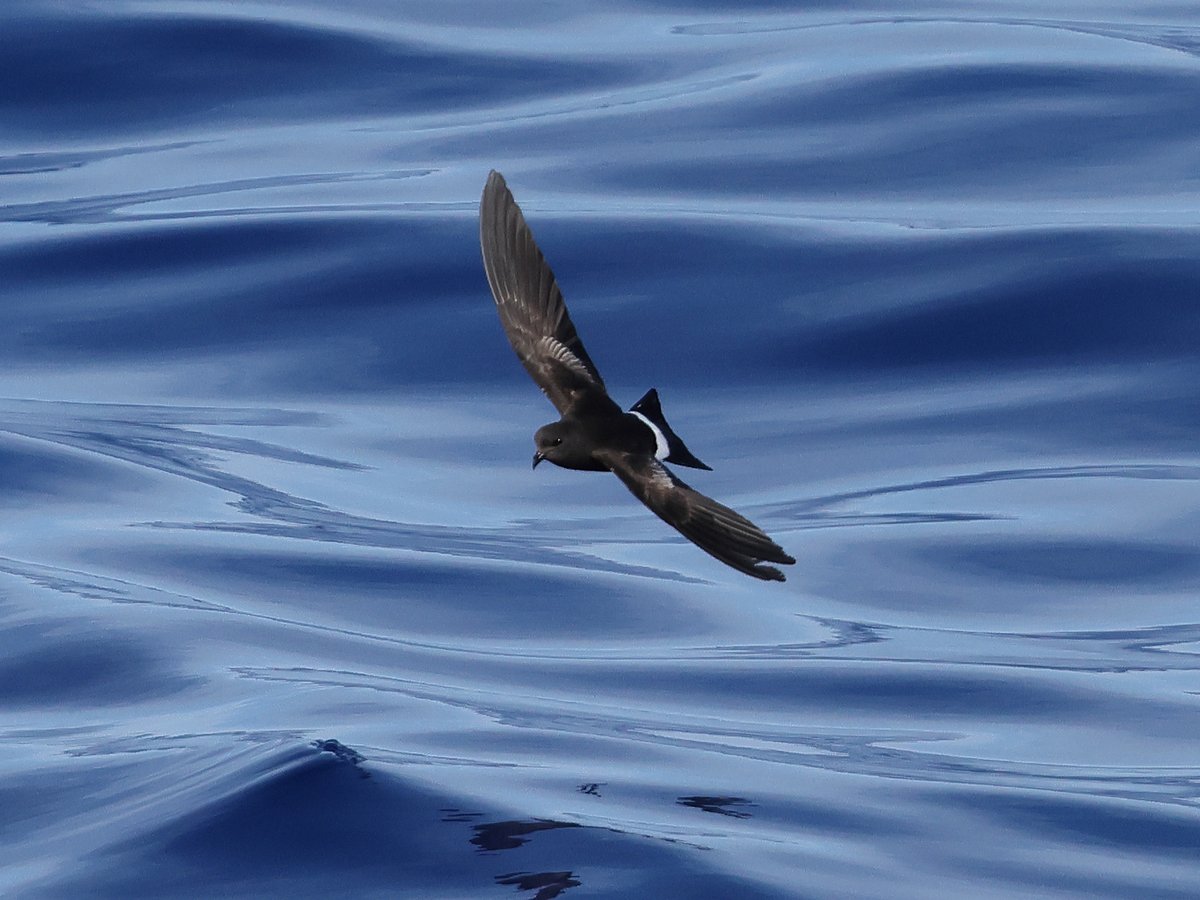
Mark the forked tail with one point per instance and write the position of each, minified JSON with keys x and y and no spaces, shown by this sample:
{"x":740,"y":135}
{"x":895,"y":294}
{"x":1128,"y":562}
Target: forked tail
{"x":678,"y":453}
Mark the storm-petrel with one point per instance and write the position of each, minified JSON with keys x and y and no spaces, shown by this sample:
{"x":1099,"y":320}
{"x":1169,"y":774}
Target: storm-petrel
{"x":594,"y":433}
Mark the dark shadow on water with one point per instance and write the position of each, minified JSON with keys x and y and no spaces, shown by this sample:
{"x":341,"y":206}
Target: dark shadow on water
{"x":734,"y":807}
{"x":40,"y":473}
{"x":60,"y":160}
{"x":547,"y":884}
{"x":307,"y":826}
{"x":508,"y":835}
{"x":345,"y":754}
{"x":51,"y":664}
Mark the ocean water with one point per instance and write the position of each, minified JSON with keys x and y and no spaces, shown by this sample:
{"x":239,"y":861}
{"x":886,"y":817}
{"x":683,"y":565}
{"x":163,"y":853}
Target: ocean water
{"x":283,"y":611}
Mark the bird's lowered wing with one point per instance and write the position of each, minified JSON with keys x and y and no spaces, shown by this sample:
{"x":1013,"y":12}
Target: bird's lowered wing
{"x":531,"y":305}
{"x":714,"y":528}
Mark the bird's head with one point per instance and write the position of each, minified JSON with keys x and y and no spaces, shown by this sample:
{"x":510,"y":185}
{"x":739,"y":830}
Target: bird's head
{"x":563,"y":445}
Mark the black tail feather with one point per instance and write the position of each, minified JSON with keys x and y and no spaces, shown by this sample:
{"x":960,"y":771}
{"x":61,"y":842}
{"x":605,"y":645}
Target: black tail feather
{"x":679,"y":454}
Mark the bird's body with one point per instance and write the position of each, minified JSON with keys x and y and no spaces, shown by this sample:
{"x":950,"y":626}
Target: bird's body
{"x":580,"y":441}
{"x":594,"y":433}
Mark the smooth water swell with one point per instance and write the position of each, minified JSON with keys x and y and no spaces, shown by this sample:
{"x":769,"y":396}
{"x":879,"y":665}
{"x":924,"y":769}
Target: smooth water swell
{"x":282,"y":610}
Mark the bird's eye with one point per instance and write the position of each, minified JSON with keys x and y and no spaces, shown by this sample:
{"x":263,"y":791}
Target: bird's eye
{"x":557,"y":441}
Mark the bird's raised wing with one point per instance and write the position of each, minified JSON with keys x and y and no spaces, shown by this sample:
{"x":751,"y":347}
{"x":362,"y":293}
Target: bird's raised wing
{"x":714,"y":528}
{"x":531,"y":305}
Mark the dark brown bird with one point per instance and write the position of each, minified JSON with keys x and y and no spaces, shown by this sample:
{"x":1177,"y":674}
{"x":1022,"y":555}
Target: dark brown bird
{"x":594,"y":433}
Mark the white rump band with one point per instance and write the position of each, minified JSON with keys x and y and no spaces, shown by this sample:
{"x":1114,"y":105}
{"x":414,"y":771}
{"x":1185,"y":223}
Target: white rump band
{"x":660,"y":440}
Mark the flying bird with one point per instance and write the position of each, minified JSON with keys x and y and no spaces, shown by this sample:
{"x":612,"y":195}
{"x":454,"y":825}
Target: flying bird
{"x":594,"y":433}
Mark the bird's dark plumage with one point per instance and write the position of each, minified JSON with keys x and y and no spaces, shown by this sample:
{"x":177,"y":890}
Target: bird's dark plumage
{"x":531,"y":305}
{"x":594,"y":433}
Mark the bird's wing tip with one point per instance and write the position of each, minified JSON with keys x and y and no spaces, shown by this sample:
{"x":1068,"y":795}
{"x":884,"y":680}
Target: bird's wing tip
{"x":767,"y":573}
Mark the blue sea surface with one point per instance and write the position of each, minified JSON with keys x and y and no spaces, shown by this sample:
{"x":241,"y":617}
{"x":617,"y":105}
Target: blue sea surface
{"x":283,"y":611}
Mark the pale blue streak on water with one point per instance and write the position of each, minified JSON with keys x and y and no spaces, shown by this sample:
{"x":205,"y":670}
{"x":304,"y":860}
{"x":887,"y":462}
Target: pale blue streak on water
{"x":283,"y":611}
